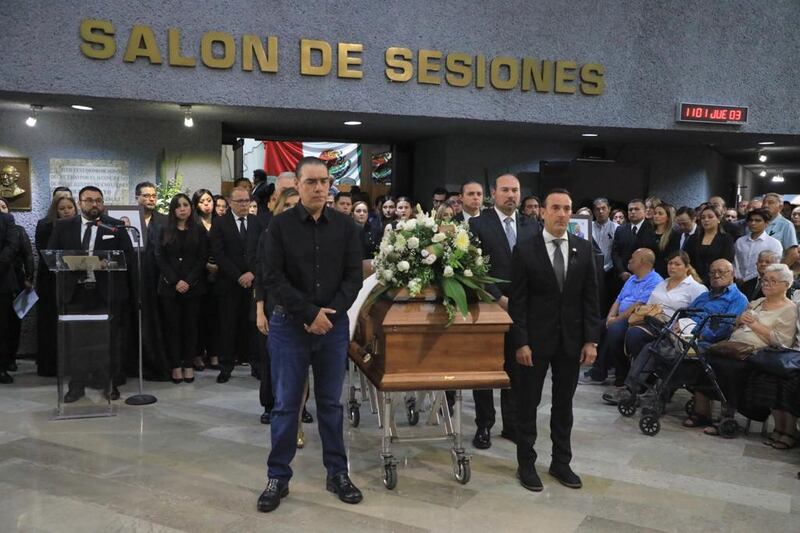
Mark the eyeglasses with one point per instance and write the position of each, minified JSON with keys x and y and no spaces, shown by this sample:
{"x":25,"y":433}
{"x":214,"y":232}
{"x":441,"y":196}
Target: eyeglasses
{"x":719,"y":273}
{"x":770,"y":281}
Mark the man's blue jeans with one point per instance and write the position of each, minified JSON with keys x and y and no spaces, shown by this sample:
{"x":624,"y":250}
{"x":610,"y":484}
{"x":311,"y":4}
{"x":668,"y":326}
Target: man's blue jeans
{"x":292,"y":350}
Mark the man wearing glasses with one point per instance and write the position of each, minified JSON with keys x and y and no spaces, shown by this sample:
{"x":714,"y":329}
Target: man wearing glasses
{"x":87,"y":296}
{"x":234,"y":241}
{"x":312,"y":273}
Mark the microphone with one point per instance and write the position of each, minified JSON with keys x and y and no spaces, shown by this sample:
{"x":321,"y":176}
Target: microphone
{"x":113,"y":229}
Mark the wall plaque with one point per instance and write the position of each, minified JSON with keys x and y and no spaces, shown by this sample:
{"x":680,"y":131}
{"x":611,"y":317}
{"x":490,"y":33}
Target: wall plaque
{"x":110,"y":176}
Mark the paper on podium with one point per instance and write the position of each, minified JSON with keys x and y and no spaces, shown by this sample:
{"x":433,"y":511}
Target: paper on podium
{"x":82,"y":262}
{"x":82,"y":318}
{"x":24,"y":302}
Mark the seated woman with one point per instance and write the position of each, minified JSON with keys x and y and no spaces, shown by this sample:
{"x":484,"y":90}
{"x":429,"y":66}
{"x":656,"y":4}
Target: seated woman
{"x":768,"y":321}
{"x":678,"y":291}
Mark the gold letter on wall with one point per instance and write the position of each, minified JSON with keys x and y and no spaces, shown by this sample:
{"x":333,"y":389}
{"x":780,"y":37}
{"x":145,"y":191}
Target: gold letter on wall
{"x":398,"y":63}
{"x":344,"y":60}
{"x":176,"y":59}
{"x":307,"y":46}
{"x":142,"y":43}
{"x":459,"y":69}
{"x":565,"y":75}
{"x":538,"y":74}
{"x":98,"y":36}
{"x":592,"y":79}
{"x":267,"y":61}
{"x":228,"y":49}
{"x":428,"y":62}
{"x":497,"y":80}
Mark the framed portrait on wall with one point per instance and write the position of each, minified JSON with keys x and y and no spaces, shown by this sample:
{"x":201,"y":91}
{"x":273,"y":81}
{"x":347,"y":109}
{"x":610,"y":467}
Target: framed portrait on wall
{"x":130,"y":215}
{"x":15,"y":182}
{"x":580,"y":226}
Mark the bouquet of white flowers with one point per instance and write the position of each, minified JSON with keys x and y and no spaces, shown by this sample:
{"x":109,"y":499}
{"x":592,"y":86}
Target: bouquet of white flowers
{"x":421,"y":252}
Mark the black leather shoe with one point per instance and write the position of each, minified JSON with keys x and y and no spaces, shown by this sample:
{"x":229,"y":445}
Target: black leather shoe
{"x":482,"y":439}
{"x":111,"y":395}
{"x":265,"y":417}
{"x":5,"y":378}
{"x":529,"y":478}
{"x":341,"y":485}
{"x":224,"y":376}
{"x":73,"y":395}
{"x":307,"y":418}
{"x":564,"y":474}
{"x":270,"y":499}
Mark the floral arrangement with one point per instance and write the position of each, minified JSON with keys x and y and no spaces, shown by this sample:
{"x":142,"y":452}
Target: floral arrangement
{"x":421,"y":252}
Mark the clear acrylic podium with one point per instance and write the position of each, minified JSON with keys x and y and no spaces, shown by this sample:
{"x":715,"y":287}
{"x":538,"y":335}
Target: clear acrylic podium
{"x":85,"y":303}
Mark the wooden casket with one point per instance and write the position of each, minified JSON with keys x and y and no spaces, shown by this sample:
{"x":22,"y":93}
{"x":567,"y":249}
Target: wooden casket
{"x":406,"y":347}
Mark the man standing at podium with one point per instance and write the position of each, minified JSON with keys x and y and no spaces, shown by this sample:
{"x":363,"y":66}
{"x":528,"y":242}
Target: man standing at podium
{"x":554,"y":307}
{"x":91,"y":231}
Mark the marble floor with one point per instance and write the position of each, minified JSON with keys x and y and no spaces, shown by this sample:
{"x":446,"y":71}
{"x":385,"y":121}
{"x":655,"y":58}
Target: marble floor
{"x":195,"y":462}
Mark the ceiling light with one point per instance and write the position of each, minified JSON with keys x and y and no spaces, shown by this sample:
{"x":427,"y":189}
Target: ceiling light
{"x":777,"y":178}
{"x":352,"y":123}
{"x":31,"y":120}
{"x":766,"y":143}
{"x":188,"y":121}
{"x":762,"y":157}
{"x":82,"y":107}
{"x":588,"y":134}
{"x":763,"y":173}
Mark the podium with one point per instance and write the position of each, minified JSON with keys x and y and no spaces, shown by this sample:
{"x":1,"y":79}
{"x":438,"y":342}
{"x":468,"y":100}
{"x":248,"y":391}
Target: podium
{"x":86,"y":330}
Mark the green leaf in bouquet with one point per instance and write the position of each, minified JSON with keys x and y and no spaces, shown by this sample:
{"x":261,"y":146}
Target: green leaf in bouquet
{"x":455,"y":291}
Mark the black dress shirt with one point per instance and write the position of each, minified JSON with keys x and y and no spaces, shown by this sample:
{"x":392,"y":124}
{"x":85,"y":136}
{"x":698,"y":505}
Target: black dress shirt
{"x":309,"y":264}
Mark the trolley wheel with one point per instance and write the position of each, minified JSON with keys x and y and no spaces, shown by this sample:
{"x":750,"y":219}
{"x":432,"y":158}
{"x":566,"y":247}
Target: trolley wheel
{"x":649,"y":425}
{"x":354,"y":416}
{"x":627,"y":407}
{"x":461,"y":470}
{"x":390,"y":476}
{"x":412,"y":414}
{"x":689,"y":407}
{"x":728,"y":428}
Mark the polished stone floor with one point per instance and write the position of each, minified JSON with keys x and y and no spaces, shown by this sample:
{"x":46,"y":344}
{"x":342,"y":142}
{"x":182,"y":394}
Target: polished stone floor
{"x":195,"y":462}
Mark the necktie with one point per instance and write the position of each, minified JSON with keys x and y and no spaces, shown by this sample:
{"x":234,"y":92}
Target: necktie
{"x":242,"y":228}
{"x":87,"y":236}
{"x":635,"y":229}
{"x":558,"y":263}
{"x":510,"y":236}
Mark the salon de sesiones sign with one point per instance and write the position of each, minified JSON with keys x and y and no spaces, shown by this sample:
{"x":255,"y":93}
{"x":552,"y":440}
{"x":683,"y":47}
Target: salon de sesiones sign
{"x":221,"y":50}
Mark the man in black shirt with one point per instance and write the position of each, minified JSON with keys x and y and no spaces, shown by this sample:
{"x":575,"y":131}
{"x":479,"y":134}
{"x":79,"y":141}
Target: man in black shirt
{"x":312,"y":271}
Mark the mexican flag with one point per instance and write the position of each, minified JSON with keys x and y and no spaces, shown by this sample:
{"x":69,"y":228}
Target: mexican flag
{"x":343,"y":160}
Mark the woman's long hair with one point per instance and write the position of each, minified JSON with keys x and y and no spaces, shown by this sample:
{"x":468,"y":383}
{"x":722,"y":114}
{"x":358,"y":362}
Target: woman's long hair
{"x":686,"y":261}
{"x":280,"y":203}
{"x":196,"y":197}
{"x":170,"y":234}
{"x":663,"y":242}
{"x":52,"y":211}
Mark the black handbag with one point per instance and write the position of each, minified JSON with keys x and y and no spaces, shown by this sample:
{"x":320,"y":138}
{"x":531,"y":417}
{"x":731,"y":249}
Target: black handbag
{"x":784,"y":363}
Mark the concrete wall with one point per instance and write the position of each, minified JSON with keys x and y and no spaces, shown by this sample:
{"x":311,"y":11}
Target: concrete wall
{"x":656,"y":54}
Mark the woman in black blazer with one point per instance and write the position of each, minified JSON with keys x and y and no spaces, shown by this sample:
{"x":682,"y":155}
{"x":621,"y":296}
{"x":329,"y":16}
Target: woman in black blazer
{"x":181,"y":253}
{"x":709,"y":243}
{"x":208,"y":340}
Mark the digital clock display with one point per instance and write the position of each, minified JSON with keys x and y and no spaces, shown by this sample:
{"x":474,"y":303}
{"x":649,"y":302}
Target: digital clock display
{"x":713,"y":114}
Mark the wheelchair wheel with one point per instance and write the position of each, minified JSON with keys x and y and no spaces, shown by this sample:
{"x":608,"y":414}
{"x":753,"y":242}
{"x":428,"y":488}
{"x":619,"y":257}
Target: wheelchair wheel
{"x":649,"y":425}
{"x":627,"y":407}
{"x":689,"y":407}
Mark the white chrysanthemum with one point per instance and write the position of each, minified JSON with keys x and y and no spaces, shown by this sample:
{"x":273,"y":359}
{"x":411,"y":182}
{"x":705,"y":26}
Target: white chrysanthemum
{"x":413,"y":243}
{"x":448,"y":272}
{"x":399,"y":242}
{"x":403,"y":266}
{"x":467,"y":273}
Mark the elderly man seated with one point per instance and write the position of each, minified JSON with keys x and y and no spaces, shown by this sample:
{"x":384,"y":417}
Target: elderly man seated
{"x":770,"y":321}
{"x":723,"y":298}
{"x":751,"y":287}
{"x":636,"y":291}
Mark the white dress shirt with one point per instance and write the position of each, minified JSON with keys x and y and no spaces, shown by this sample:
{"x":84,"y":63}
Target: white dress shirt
{"x":244,"y":218}
{"x":551,"y":248}
{"x":685,"y":236}
{"x":637,"y":227}
{"x":85,"y":221}
{"x":503,"y":217}
{"x":467,"y":216}
{"x":746,"y":254}
{"x":681,"y":296}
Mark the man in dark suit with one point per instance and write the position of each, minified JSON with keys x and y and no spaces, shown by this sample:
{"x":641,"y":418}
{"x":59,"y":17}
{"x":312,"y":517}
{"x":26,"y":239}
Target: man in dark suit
{"x":9,"y":249}
{"x":498,"y":231}
{"x":234,"y":244}
{"x":471,"y":201}
{"x":554,"y":307}
{"x":84,"y":296}
{"x":626,"y":240}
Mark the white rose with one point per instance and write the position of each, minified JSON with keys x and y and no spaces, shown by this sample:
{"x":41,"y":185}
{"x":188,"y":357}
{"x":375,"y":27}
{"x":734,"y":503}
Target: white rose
{"x":424,"y":253}
{"x":413,"y":243}
{"x":480,"y":252}
{"x":448,"y":272}
{"x":438,"y":237}
{"x":403,"y":266}
{"x":388,"y":275}
{"x":431,"y":259}
{"x":430,"y":223}
{"x":410,"y":224}
{"x":399,"y":242}
{"x":479,"y":260}
{"x":468,"y":273}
